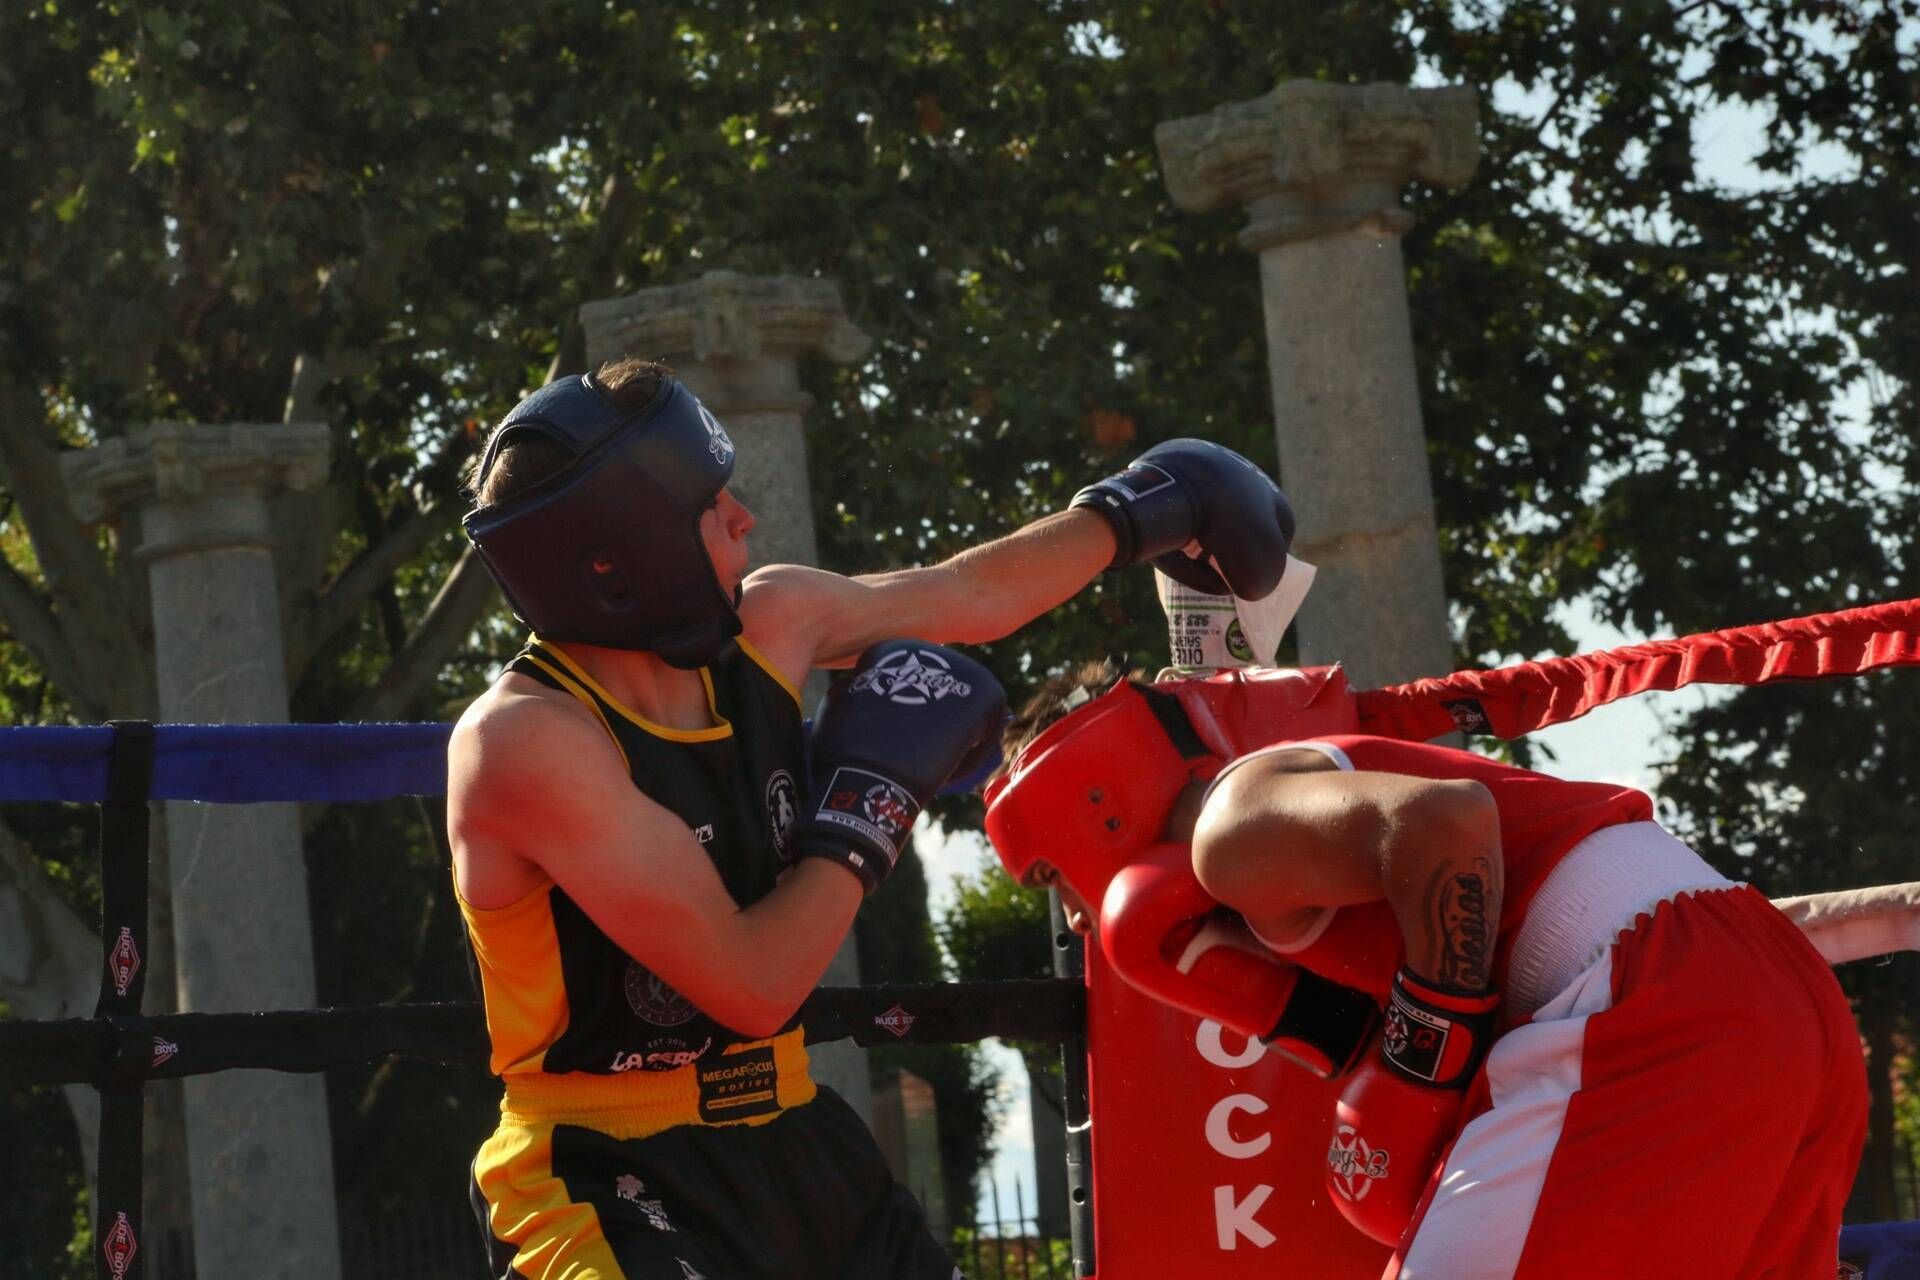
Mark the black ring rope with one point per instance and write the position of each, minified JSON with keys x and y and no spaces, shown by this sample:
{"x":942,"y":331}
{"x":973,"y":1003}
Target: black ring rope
{"x":122,"y":1052}
{"x":126,"y":765}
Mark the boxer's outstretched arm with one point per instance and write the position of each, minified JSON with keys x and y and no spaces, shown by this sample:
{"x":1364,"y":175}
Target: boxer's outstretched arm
{"x":1286,"y":835}
{"x":803,"y":617}
{"x":1200,"y":511}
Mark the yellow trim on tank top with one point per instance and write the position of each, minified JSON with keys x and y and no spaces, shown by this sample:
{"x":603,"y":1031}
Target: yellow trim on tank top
{"x":638,"y":1104}
{"x":721,"y":728}
{"x":765,"y":664}
{"x":580,"y":695}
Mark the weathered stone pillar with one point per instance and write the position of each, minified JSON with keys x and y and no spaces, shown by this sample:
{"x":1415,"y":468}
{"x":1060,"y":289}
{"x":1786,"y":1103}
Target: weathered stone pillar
{"x":906,"y":1125}
{"x":192,"y":503}
{"x":1047,"y":1114}
{"x":737,"y":341}
{"x":1320,"y":168}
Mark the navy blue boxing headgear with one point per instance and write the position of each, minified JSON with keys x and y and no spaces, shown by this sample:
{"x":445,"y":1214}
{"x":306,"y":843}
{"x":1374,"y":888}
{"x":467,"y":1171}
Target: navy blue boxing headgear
{"x":608,"y":550}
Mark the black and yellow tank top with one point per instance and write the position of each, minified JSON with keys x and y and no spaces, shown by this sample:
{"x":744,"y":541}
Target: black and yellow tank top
{"x":577,"y":1024}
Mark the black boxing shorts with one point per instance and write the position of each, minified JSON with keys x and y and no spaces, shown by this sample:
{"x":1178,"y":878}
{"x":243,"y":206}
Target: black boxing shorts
{"x":806,"y":1195}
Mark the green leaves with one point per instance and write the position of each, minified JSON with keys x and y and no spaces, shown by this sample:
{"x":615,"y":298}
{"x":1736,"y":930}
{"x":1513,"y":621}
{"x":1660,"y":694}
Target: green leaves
{"x":1667,"y":349}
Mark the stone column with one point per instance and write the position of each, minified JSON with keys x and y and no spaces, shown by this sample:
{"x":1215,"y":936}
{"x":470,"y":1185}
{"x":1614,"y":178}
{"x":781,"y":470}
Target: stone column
{"x":192,"y":503}
{"x":1319,"y":168}
{"x":737,"y":342}
{"x":1047,"y":1114}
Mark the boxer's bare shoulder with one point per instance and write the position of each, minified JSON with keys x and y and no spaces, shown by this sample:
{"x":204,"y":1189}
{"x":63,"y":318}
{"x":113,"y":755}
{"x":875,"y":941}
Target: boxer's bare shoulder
{"x":515,"y":741}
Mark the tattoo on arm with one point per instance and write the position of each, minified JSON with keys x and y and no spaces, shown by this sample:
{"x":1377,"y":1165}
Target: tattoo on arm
{"x":1462,"y":906}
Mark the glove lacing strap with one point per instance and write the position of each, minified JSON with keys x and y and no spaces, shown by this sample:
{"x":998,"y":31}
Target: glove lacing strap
{"x":1434,"y":1036}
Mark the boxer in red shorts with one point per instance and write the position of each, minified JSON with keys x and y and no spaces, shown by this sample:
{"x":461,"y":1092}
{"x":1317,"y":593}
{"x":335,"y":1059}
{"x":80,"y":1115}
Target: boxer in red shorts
{"x":1599,"y":1056}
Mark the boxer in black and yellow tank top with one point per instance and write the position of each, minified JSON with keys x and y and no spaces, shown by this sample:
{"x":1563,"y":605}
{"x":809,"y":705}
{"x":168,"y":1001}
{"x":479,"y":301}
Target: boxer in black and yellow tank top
{"x":563,"y":997}
{"x":637,"y":1131}
{"x":640,"y":1136}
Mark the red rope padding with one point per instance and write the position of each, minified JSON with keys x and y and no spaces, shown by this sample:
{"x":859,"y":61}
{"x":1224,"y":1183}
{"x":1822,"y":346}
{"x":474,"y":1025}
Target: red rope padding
{"x":1515,"y":700}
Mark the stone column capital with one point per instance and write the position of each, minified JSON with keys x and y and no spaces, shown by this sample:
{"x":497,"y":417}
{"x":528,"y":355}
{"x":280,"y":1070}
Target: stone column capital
{"x":196,"y":486}
{"x":1313,"y":159}
{"x":745,"y":334}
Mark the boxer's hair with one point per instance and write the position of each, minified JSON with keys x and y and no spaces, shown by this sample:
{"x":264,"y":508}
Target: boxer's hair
{"x":629,"y":383}
{"x":1058,"y":695}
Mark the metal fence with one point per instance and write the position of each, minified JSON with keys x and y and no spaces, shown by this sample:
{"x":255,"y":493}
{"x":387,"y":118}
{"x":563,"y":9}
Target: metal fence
{"x":443,"y":1243}
{"x":1011,"y":1246}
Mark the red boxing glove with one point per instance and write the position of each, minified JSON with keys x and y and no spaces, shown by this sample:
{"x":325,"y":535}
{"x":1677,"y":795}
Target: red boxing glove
{"x":1399,"y":1114}
{"x":1167,"y":937}
{"x":1388,"y":1135}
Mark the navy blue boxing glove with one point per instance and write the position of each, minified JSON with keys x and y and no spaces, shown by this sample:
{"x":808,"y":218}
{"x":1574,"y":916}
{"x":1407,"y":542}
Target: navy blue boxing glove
{"x":1184,"y":491}
{"x":883,"y":741}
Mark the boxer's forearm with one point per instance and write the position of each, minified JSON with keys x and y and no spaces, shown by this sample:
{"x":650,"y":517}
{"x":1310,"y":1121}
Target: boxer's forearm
{"x":1448,"y":908}
{"x":1284,"y":832}
{"x":803,"y":617}
{"x":1000,"y":586}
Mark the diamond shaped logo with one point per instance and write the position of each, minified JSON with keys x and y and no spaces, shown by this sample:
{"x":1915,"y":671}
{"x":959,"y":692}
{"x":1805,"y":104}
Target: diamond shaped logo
{"x":896,"y":1020}
{"x":123,"y":961}
{"x":120,"y":1246}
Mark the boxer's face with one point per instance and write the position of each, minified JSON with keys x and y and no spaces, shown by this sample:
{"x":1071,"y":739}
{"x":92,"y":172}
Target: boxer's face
{"x":723,"y":528}
{"x":1080,"y":917}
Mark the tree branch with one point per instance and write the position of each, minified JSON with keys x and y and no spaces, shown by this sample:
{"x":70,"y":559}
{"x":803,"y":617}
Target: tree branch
{"x":47,"y":953}
{"x":620,"y":208}
{"x":468,"y":592}
{"x":311,"y":627}
{"x":466,"y":595}
{"x":34,"y":625}
{"x":48,"y":963}
{"x":305,"y":524}
{"x":108,"y":665}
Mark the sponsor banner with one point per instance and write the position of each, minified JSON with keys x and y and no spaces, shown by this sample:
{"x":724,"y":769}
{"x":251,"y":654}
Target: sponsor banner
{"x":1209,"y":1152}
{"x":734,"y":1086}
{"x":625,"y":1060}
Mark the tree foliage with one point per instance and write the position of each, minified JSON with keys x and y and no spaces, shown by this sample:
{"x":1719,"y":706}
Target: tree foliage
{"x":1690,"y":400}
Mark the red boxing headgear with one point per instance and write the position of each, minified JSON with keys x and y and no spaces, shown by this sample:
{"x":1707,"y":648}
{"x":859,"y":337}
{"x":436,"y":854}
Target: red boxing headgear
{"x":1089,"y":793}
{"x":1096,"y":788}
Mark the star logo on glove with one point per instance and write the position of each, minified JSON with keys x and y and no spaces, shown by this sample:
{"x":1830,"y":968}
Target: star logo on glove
{"x":1393,"y":1032}
{"x":889,"y":808}
{"x":912,"y":678}
{"x":1354,"y":1164}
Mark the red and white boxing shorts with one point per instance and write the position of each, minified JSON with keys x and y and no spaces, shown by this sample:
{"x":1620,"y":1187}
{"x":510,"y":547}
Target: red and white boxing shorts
{"x":1687,"y":1098}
